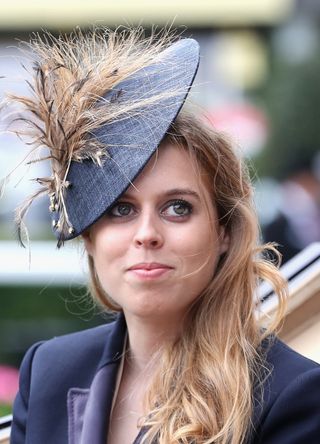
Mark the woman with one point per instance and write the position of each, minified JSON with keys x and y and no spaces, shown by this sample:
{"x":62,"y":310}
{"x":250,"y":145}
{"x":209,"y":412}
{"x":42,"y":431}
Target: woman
{"x":164,"y":208}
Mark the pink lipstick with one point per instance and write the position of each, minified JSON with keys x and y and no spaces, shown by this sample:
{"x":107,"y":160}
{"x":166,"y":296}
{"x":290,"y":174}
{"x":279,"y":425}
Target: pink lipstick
{"x":149,"y":270}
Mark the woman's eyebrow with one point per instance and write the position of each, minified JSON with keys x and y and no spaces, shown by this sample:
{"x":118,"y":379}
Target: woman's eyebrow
{"x":182,"y":192}
{"x":169,"y":193}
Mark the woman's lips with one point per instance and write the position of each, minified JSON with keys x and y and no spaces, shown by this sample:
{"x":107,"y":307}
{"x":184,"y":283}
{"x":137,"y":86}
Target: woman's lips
{"x":149,"y":270}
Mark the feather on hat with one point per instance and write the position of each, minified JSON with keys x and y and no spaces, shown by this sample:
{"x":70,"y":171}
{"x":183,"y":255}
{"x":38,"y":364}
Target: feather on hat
{"x":101,"y":103}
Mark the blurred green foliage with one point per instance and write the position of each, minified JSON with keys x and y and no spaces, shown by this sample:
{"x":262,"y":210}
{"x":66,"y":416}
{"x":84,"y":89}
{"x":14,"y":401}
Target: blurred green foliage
{"x":5,"y":409}
{"x":30,"y":314}
{"x":292,"y":100}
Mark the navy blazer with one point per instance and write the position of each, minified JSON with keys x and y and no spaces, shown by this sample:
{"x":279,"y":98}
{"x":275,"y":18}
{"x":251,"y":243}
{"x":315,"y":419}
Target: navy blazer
{"x":67,"y":386}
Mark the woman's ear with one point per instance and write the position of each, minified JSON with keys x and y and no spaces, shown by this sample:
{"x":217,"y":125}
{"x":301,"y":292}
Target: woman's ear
{"x":86,"y":236}
{"x":224,"y":239}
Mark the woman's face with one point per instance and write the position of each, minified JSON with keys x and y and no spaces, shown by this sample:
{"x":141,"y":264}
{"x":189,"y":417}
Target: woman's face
{"x":157,"y":248}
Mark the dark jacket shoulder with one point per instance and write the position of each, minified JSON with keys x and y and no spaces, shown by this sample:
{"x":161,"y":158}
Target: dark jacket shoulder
{"x":285,"y":365}
{"x":76,"y":355}
{"x":48,"y":371}
{"x":289,"y":410}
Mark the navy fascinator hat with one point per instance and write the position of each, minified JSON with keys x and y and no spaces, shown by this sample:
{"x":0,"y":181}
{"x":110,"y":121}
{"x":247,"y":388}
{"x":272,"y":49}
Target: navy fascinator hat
{"x":101,"y":104}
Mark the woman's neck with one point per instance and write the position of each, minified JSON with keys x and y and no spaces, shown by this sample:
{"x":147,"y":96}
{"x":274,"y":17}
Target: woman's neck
{"x":146,"y":338}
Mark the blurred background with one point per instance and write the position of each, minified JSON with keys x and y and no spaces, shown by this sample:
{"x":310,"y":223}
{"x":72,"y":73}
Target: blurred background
{"x":258,"y":81}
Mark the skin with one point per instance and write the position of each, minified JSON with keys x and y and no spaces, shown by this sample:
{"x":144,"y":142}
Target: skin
{"x":154,"y":252}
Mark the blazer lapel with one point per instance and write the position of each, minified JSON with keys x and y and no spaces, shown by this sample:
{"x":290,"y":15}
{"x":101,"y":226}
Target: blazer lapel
{"x":76,"y":402}
{"x":89,"y":409}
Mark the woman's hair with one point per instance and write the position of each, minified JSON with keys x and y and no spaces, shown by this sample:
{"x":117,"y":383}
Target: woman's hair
{"x":207,"y":382}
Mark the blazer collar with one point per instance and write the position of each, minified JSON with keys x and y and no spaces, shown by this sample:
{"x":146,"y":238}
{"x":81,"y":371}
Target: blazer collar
{"x":89,"y":409}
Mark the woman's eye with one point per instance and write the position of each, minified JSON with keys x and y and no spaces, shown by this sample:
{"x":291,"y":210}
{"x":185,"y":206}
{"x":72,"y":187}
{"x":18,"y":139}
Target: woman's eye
{"x":121,"y":210}
{"x":177,"y":208}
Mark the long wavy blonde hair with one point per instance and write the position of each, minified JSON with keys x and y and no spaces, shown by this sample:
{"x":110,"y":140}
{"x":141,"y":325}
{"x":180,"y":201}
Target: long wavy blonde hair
{"x":206,"y":385}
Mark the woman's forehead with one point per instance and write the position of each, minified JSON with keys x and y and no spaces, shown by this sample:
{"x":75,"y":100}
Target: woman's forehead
{"x":169,"y":161}
{"x":172,"y":169}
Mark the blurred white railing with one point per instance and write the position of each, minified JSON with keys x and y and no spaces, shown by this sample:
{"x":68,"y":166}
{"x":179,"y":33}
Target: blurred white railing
{"x":41,"y":264}
{"x":303,"y":275}
{"x":5,"y":426}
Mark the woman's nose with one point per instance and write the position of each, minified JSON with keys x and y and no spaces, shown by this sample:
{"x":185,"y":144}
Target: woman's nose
{"x":148,"y":233}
